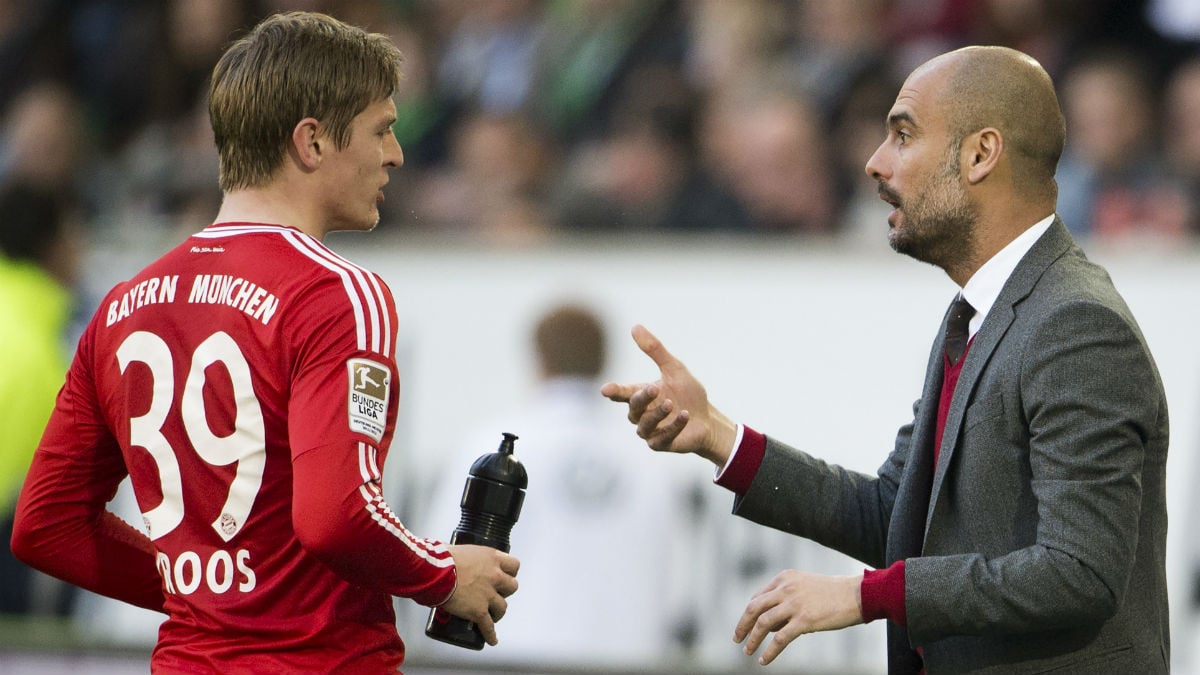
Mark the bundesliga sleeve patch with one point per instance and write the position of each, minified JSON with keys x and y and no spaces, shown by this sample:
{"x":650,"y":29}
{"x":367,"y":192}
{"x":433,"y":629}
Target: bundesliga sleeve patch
{"x":368,"y":402}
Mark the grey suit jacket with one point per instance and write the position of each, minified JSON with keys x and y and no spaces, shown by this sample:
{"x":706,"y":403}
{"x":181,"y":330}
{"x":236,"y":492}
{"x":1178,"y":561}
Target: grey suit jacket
{"x":1037,"y":544}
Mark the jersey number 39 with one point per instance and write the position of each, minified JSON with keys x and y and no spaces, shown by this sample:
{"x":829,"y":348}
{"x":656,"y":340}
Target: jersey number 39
{"x":245,"y":446}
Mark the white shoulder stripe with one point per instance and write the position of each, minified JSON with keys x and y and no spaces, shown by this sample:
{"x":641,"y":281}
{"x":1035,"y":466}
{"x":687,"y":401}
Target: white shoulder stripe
{"x":347,"y":283}
{"x":387,"y":318}
{"x":369,"y":283}
{"x":371,"y":294}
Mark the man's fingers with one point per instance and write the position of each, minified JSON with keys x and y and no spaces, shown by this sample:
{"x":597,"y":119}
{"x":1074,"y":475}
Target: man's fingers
{"x":783,"y":637}
{"x":510,"y":564}
{"x":754,"y":609}
{"x":767,"y":621}
{"x":760,"y":617}
{"x":507,"y":586}
{"x":619,"y":393}
{"x":648,"y":422}
{"x":776,"y":625}
{"x":639,"y":402}
{"x":648,"y":343}
{"x":487,"y":628}
{"x":662,"y":438}
{"x":497,"y":608}
{"x":622,"y":393}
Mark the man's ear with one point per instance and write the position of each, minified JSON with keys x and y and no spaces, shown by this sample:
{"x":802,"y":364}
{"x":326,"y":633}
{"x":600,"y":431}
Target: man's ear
{"x":982,"y":151}
{"x":308,"y":143}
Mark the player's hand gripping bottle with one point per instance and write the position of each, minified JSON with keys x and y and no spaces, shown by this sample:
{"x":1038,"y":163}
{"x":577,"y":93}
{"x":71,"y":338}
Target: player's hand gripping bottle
{"x":491,"y":503}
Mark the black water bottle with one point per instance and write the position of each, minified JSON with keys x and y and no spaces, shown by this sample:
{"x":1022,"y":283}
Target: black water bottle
{"x":491,"y":503}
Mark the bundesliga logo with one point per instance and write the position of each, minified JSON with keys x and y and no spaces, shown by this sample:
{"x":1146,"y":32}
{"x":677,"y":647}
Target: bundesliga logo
{"x":368,"y":400}
{"x":370,"y":380}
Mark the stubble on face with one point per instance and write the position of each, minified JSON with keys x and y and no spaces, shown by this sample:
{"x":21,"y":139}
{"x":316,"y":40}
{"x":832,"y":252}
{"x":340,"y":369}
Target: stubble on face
{"x":938,"y":224}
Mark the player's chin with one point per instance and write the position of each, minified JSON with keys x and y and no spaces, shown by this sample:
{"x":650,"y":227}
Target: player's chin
{"x":370,"y":220}
{"x":374,"y":216}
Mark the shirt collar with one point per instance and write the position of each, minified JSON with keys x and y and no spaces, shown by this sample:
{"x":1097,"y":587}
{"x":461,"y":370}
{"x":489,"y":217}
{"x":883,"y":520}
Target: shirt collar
{"x":985,"y":285}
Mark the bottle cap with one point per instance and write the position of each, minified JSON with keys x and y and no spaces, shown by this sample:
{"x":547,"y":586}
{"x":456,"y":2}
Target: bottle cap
{"x":501,"y":466}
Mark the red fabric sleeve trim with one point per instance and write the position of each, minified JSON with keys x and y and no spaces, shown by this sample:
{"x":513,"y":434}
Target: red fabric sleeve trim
{"x":340,"y":516}
{"x":744,"y":463}
{"x":883,"y":594}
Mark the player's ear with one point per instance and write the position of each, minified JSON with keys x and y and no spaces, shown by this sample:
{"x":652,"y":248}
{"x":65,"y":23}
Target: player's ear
{"x":982,"y":150}
{"x":308,"y":143}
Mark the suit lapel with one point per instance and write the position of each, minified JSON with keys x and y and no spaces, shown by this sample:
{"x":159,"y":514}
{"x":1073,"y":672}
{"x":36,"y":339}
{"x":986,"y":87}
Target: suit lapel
{"x":1051,"y":246}
{"x":906,"y":534}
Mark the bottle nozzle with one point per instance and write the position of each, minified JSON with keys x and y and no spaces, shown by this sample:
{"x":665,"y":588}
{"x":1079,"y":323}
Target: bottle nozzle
{"x":506,"y":445}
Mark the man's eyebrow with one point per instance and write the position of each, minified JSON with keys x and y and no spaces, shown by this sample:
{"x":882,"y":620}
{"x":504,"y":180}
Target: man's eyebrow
{"x":896,"y":118}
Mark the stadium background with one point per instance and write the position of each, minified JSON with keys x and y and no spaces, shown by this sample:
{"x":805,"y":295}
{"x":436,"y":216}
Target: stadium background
{"x":694,"y":166}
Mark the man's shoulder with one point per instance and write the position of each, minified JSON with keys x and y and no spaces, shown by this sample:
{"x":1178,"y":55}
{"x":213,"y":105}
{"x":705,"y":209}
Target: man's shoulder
{"x":1073,"y":278}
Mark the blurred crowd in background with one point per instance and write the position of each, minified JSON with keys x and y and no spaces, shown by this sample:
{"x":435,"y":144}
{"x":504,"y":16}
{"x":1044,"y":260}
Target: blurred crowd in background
{"x":524,"y":121}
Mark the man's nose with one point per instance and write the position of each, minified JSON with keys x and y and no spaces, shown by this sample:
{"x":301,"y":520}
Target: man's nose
{"x":874,"y":167}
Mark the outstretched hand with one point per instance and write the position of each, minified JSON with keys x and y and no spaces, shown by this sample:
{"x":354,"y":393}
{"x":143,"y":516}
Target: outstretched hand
{"x":673,"y":414}
{"x":796,"y":603}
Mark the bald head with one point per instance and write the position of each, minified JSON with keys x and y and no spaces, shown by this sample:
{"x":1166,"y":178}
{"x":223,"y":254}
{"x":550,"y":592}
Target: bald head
{"x":1010,"y":91}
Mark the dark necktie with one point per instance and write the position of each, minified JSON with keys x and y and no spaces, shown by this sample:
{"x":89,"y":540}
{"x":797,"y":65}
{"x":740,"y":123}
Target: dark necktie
{"x":958,"y":328}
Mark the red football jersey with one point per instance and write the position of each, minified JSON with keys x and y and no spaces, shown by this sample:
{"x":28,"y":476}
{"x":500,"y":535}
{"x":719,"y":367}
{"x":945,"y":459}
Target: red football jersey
{"x":246,"y":381}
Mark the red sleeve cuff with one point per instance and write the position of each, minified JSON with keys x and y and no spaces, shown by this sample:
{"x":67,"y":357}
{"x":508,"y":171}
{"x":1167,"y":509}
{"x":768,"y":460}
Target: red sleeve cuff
{"x":437,"y":594}
{"x":883,"y":594}
{"x":744,"y":463}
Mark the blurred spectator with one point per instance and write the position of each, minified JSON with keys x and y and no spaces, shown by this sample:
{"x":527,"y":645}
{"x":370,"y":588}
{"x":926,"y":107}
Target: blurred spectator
{"x":491,"y":189}
{"x":1182,"y":131}
{"x":196,"y":33}
{"x":729,"y":41}
{"x":32,"y":45}
{"x":42,"y":139}
{"x":585,"y":517}
{"x":924,"y":28}
{"x":489,"y":60}
{"x":38,"y":265}
{"x":766,"y":145}
{"x":130,"y":77}
{"x":590,"y":48}
{"x":149,"y":191}
{"x":1112,"y":184}
{"x":421,"y":118}
{"x":644,"y":176}
{"x":1044,"y":30}
{"x":838,"y":42}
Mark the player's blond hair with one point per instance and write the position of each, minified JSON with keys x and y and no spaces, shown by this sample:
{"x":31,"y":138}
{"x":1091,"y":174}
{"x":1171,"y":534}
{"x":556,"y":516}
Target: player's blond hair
{"x":289,"y":67}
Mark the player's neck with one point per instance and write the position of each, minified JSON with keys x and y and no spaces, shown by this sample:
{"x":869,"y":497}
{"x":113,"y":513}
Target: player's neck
{"x":270,"y":204}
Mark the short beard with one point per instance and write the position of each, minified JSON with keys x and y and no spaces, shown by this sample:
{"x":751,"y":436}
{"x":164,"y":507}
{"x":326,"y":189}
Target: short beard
{"x":939,"y":223}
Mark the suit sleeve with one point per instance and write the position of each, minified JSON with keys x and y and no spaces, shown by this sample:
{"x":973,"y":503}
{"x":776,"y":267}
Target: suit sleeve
{"x":62,"y":525}
{"x":338,"y":510}
{"x":845,"y":510}
{"x":882,"y":591}
{"x":1088,"y":391}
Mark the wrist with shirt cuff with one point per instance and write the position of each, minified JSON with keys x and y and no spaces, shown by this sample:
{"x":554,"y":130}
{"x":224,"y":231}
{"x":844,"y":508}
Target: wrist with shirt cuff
{"x":882,"y":594}
{"x":749,"y":447}
{"x":437,"y":594}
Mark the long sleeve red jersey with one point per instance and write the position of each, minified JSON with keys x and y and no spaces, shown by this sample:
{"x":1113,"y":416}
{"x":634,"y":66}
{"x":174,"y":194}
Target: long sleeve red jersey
{"x":246,"y":382}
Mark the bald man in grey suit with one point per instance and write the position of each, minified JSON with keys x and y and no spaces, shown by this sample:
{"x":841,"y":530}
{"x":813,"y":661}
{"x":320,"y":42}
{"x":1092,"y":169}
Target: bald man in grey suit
{"x":1019,"y":524}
